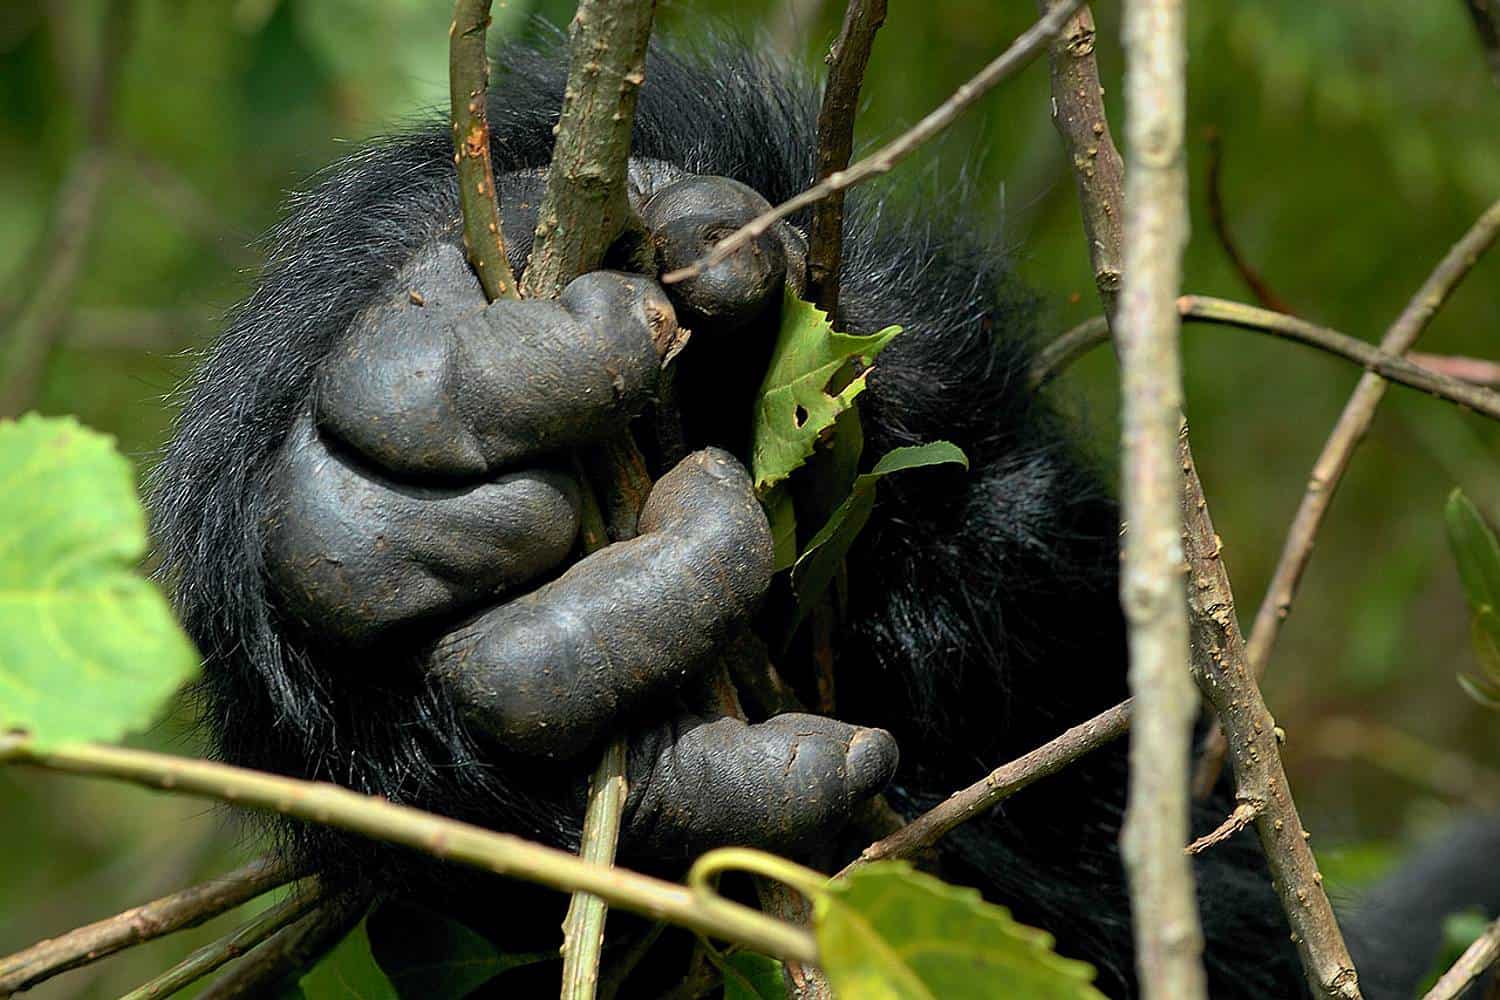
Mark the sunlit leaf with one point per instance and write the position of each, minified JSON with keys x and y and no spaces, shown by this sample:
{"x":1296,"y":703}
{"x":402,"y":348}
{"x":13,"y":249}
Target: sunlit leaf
{"x":800,"y":398}
{"x":888,"y":932}
{"x":89,"y":649}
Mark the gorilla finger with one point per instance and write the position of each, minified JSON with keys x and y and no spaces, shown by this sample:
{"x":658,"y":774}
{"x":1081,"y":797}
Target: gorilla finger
{"x":686,"y":218}
{"x":429,"y":381}
{"x":780,"y":786}
{"x":355,"y":555}
{"x":546,"y":673}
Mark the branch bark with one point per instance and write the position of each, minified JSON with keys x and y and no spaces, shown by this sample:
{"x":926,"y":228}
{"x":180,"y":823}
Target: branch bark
{"x":218,"y":953}
{"x":284,"y":955}
{"x":445,"y":839}
{"x":847,"y":61}
{"x":1019,"y":55}
{"x":586,"y":204}
{"x":478,"y":198}
{"x":1334,"y":460}
{"x":997,"y":786}
{"x":1221,"y":312}
{"x":179,"y":911}
{"x":1168,"y":938}
{"x":1477,"y":958}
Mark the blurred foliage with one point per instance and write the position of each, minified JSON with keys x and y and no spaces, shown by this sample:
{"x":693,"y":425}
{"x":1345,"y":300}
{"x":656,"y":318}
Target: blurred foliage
{"x":1359,"y":142}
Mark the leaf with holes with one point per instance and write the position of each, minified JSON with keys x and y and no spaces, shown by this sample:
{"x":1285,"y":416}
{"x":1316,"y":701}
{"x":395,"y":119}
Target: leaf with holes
{"x":89,"y":649}
{"x":888,"y":932}
{"x":814,"y":375}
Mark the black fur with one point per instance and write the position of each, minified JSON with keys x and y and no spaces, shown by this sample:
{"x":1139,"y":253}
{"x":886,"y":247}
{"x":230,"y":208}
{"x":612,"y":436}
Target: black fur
{"x":984,"y":616}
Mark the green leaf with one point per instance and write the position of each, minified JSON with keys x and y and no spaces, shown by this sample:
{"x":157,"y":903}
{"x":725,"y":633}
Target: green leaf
{"x":1484,"y":631}
{"x":348,"y":972}
{"x":749,"y":976}
{"x":781,"y":512}
{"x":798,"y":401}
{"x":888,"y":932}
{"x":431,"y":956}
{"x":1476,"y":550}
{"x":820,"y":560}
{"x":89,"y":649}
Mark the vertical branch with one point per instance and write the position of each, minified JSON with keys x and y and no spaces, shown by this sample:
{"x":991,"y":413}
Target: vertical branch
{"x":1261,"y":786}
{"x":1169,"y":941}
{"x":586,"y":204}
{"x":468,"y":82}
{"x":1486,"y":15}
{"x":847,"y":61}
{"x":1078,"y":114}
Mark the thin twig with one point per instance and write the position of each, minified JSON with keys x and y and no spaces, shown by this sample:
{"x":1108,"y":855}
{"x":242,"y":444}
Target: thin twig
{"x":33,"y":333}
{"x":1476,"y":959}
{"x":1219,"y":219}
{"x":583,"y":927}
{"x":1072,"y":345}
{"x":1001,"y":783}
{"x":478,"y":196}
{"x":847,"y":61}
{"x":294,"y":948}
{"x":1486,"y":15}
{"x":586,"y":205}
{"x":1017,"y":57}
{"x":218,"y":953}
{"x":1480,"y":371}
{"x":179,"y":911}
{"x":1243,"y":815}
{"x":445,"y":839}
{"x":1261,"y":788}
{"x":1168,"y":937}
{"x":1337,"y":452}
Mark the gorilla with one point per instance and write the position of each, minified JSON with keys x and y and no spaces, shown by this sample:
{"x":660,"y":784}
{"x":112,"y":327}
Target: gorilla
{"x":369,"y":516}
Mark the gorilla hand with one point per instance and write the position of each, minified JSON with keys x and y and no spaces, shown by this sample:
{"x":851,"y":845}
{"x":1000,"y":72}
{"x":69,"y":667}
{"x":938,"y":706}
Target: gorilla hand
{"x":425,"y":495}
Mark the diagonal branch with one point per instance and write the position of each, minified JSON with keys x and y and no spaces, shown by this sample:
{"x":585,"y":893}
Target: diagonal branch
{"x":847,"y":61}
{"x":179,"y":911}
{"x":1472,"y":964}
{"x":1020,"y":54}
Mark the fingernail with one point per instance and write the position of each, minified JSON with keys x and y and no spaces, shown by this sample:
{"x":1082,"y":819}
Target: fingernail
{"x":873,"y":756}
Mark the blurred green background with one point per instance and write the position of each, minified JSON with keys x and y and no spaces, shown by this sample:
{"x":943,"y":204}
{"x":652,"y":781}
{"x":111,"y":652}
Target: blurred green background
{"x":1359,"y":141}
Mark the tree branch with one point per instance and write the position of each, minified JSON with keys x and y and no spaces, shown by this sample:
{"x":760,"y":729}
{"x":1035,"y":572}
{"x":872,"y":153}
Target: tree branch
{"x":997,"y":786}
{"x":1337,"y":452}
{"x":847,"y":61}
{"x":478,"y":198}
{"x":179,"y":911}
{"x":1221,"y":312}
{"x":445,"y":839}
{"x":1219,"y":220}
{"x":1261,"y":785}
{"x":1169,"y":940}
{"x":1078,"y":115}
{"x":218,"y":953}
{"x":586,"y":205}
{"x":1017,"y":57}
{"x":1477,"y":958}
{"x":290,"y":950}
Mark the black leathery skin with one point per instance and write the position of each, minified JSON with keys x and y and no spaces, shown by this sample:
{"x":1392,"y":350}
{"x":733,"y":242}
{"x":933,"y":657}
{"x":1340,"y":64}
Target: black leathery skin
{"x":433,"y":382}
{"x":546,"y":673}
{"x":780,"y":785}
